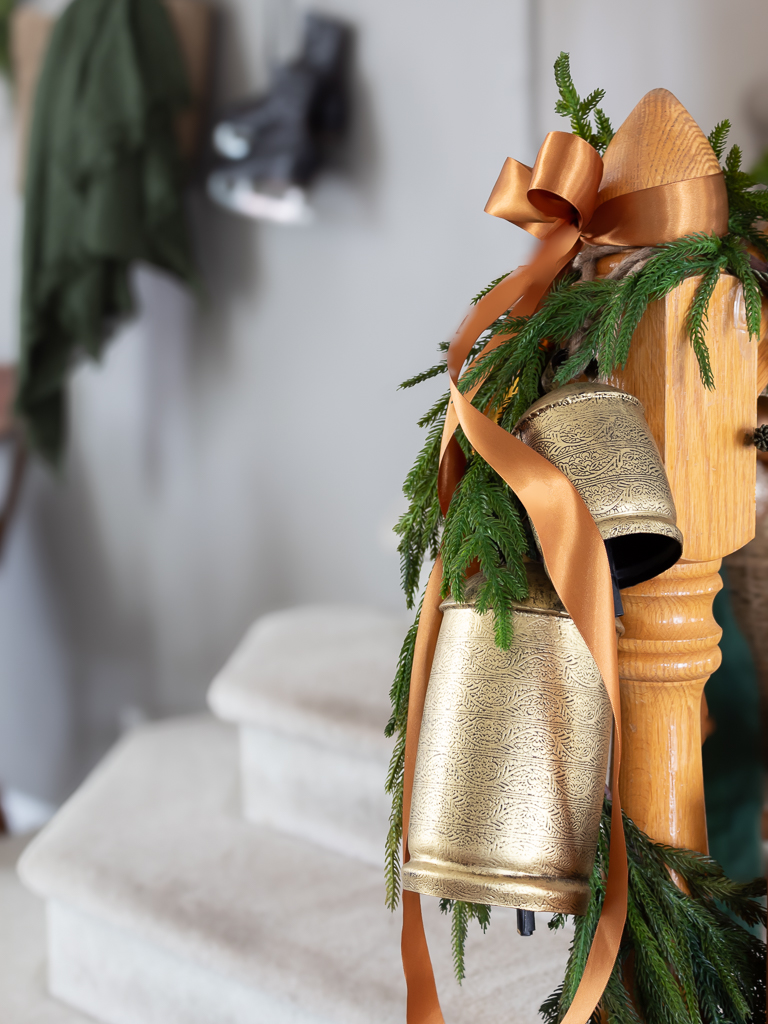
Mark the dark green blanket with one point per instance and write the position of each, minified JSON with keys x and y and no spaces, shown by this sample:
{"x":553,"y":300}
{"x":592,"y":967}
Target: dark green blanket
{"x":732,"y":766}
{"x":103,"y":190}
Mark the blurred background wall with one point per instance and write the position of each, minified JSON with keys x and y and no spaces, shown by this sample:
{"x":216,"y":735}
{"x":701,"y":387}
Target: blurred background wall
{"x":244,"y":451}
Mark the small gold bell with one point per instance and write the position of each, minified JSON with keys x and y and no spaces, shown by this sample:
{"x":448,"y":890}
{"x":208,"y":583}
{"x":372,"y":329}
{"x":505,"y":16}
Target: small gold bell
{"x":512,"y":759}
{"x":598,"y":437}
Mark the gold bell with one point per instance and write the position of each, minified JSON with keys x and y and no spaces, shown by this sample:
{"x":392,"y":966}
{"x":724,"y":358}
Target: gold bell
{"x":598,"y":437}
{"x":512,"y":759}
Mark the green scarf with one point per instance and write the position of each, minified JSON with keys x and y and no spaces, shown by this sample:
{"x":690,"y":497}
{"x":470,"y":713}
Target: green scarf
{"x":103,"y":190}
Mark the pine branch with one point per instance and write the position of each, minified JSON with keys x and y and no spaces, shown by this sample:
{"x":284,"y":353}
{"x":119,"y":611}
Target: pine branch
{"x":696,"y":323}
{"x":461,"y":914}
{"x":604,"y":130}
{"x":397,"y":725}
{"x":579,"y":111}
{"x":738,"y":264}
{"x":488,"y":288}
{"x":483,"y":524}
{"x":419,"y":378}
{"x":691,"y":962}
{"x":718,"y":138}
{"x":392,"y":843}
{"x":436,"y":412}
{"x":746,"y":202}
{"x":419,"y":527}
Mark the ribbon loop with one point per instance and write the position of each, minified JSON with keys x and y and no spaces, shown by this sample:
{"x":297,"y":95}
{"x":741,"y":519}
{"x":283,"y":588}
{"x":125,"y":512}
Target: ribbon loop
{"x":565,"y":178}
{"x":565,"y":181}
{"x":662,"y":213}
{"x":509,"y":199}
{"x":563,"y":184}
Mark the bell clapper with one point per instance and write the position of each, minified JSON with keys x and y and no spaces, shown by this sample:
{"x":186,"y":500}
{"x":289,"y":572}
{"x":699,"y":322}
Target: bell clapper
{"x":526,"y":922}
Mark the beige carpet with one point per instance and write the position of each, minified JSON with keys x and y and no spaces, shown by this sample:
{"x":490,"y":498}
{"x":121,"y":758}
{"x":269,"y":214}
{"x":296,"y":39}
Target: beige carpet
{"x":23,"y":997}
{"x":152,"y":847}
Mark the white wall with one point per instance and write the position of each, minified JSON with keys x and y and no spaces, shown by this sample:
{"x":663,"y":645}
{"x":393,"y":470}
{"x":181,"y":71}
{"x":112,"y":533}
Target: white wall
{"x":711,"y":55}
{"x":247,"y":452}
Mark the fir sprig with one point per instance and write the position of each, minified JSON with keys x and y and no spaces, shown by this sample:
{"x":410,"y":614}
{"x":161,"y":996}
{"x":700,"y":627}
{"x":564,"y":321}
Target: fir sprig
{"x":747,"y":204}
{"x":396,"y":726}
{"x":718,"y":138}
{"x":461,"y":914}
{"x":690,"y":961}
{"x":419,"y":527}
{"x":579,"y":111}
{"x":484,"y":525}
{"x":488,"y":288}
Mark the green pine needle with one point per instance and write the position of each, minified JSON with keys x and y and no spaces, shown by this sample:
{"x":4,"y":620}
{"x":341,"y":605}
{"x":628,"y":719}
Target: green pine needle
{"x":397,"y":726}
{"x":484,"y":523}
{"x":691,"y":962}
{"x":461,"y":914}
{"x":718,"y":138}
{"x":579,"y":111}
{"x":488,"y":288}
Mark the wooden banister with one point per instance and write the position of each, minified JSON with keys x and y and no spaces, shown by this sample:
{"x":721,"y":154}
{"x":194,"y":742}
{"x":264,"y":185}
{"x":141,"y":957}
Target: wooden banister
{"x":669,"y":647}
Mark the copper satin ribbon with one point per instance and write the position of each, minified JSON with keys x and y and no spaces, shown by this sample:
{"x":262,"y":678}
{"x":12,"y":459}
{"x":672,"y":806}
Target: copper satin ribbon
{"x":558,"y":202}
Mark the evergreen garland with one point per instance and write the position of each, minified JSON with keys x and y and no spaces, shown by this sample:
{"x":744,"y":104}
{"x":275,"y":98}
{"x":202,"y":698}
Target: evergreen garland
{"x":684,"y":957}
{"x":579,"y":111}
{"x":486,"y":524}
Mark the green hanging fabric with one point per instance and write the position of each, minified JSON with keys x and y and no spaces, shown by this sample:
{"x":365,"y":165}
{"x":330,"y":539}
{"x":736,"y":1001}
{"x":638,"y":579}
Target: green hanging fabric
{"x":732,"y":765}
{"x":103,"y":190}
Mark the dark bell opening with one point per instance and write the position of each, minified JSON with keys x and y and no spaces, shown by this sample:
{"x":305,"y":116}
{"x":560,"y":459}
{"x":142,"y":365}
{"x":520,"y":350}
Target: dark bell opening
{"x":638,"y":557}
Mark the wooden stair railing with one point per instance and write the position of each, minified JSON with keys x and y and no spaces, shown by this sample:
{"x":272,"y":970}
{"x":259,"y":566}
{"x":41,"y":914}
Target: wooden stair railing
{"x":670,"y":644}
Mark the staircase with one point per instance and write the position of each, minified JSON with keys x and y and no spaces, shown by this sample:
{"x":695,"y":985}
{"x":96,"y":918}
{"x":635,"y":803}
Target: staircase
{"x":205,"y":877}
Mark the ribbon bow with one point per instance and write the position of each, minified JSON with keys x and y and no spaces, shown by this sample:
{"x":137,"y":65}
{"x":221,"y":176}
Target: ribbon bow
{"x":561,"y":202}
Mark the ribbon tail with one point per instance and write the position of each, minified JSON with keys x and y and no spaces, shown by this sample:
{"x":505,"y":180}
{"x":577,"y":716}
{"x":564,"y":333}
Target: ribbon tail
{"x":423,"y":1005}
{"x":578,"y":567}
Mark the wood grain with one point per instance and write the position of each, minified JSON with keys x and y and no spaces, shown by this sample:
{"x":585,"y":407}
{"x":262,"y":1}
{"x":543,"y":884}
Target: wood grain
{"x":701,"y":434}
{"x":667,"y":653}
{"x":658,"y":143}
{"x":670,"y":644}
{"x":762,"y":351}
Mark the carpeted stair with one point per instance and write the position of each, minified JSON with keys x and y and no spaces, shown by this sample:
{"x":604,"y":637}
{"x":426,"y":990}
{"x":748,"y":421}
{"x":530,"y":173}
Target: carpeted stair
{"x":166,"y":906}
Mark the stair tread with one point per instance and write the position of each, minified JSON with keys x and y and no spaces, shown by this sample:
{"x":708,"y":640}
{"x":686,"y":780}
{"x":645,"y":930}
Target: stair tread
{"x":323,"y":671}
{"x":23,"y":995}
{"x":153,"y":843}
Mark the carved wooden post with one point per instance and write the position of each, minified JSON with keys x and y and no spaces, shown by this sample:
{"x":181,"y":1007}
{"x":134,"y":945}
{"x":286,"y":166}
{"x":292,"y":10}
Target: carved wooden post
{"x":670,"y":647}
{"x":670,"y":644}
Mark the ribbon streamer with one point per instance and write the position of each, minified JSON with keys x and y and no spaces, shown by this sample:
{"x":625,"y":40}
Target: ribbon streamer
{"x":557,"y":201}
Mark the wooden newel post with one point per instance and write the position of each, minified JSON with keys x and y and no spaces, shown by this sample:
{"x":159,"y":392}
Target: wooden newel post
{"x":670,"y":646}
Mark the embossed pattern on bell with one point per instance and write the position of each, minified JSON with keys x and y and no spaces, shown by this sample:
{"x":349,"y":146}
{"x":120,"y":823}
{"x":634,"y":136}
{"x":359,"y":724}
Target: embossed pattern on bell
{"x":598,"y":437}
{"x":511,"y":762}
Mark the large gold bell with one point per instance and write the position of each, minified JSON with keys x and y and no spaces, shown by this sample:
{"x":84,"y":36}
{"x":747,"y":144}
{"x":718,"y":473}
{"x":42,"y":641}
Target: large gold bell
{"x":512,"y":759}
{"x":598,"y":437}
